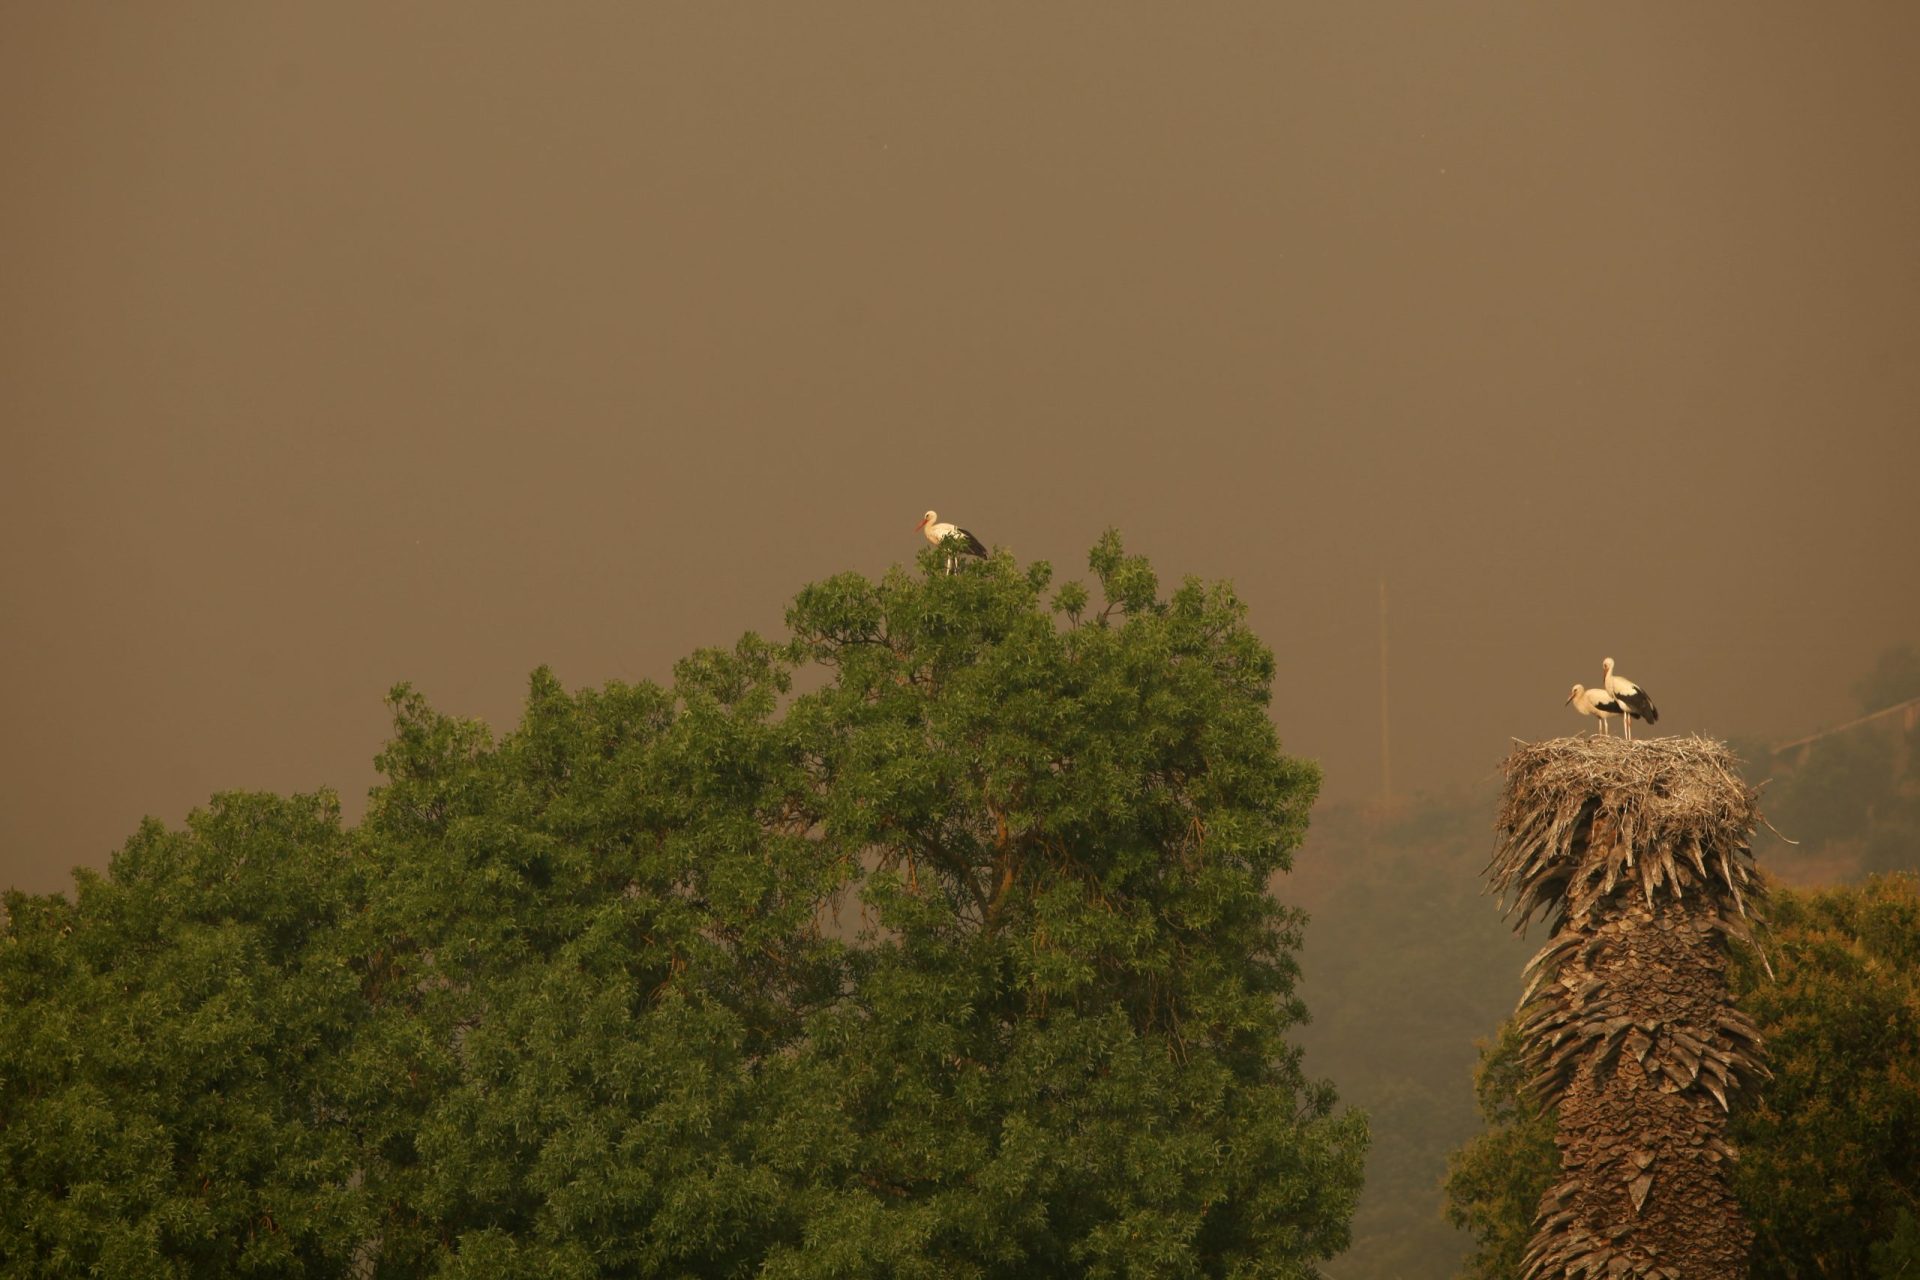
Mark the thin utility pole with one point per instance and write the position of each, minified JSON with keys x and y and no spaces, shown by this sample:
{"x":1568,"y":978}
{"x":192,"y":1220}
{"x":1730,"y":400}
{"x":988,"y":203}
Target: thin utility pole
{"x":1386,"y":753}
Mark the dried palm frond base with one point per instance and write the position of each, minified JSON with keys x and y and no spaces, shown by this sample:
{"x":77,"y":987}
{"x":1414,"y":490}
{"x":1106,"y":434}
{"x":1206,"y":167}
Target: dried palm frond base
{"x":1638,"y":856}
{"x":1678,"y":811}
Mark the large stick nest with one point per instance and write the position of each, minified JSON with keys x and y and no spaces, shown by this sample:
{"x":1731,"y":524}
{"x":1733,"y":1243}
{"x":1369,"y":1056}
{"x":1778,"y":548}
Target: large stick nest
{"x":1681,"y":820}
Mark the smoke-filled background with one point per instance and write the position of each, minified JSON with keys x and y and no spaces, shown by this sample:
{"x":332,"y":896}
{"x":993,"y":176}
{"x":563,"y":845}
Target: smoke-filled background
{"x":351,"y":343}
{"x":347,"y":343}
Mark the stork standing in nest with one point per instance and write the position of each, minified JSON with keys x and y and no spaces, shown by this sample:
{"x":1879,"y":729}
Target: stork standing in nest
{"x":938,"y":531}
{"x":1634,"y":701}
{"x":1596,"y":703}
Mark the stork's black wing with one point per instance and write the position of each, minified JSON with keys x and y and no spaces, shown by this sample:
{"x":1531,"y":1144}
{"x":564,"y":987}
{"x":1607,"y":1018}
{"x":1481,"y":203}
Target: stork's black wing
{"x":970,"y":544}
{"x":1639,"y":705}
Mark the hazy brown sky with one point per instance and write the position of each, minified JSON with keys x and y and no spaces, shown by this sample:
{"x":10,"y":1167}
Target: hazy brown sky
{"x":349,"y":343}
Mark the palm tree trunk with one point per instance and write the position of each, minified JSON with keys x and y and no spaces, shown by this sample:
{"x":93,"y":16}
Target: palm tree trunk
{"x":1638,"y":856}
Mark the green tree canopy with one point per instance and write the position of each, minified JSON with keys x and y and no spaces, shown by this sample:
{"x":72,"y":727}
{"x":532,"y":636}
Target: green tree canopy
{"x":962,"y":962}
{"x":1829,"y":1144}
{"x":166,"y":1044}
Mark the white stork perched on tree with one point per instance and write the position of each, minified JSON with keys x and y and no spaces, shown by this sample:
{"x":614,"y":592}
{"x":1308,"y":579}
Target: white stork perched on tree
{"x":1596,"y":703}
{"x":938,"y":531}
{"x":1633,"y":700}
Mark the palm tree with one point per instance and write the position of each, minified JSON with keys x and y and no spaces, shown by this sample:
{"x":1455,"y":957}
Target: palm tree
{"x":1638,"y":857}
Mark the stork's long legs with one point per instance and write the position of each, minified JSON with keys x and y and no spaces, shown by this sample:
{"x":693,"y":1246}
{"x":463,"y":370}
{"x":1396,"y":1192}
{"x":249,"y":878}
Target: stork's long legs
{"x":1626,"y":723}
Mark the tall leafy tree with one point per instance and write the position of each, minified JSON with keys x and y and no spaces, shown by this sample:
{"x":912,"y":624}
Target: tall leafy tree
{"x":1064,"y":1051}
{"x":960,"y":963}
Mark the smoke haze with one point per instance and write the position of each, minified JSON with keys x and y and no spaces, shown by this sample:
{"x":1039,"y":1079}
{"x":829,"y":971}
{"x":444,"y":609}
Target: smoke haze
{"x":344,"y":344}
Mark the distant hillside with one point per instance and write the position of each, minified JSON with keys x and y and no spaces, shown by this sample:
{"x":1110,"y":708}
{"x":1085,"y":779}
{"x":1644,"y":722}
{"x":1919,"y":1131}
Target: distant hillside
{"x":1848,"y":796}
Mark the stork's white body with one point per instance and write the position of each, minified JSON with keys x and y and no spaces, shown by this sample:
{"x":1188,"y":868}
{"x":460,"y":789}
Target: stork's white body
{"x":1635,"y":703}
{"x":1596,"y":703}
{"x":938,"y":531}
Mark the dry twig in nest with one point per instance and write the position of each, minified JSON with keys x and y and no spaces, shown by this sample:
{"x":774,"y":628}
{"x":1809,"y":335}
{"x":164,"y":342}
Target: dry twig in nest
{"x":1680,"y":813}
